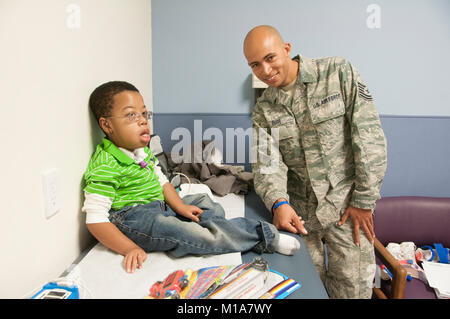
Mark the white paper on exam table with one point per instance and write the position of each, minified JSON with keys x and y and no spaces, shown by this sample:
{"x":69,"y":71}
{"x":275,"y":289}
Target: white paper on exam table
{"x":102,"y":272}
{"x":438,"y":276}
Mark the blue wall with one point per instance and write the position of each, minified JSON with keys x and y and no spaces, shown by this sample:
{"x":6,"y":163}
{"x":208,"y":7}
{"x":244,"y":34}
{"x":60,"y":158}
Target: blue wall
{"x":418,"y":148}
{"x":199,"y":71}
{"x":199,"y":67}
{"x":418,"y":156}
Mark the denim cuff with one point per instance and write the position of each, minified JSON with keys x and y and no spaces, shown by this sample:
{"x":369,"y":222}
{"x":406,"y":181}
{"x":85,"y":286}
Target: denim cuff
{"x":269,"y":235}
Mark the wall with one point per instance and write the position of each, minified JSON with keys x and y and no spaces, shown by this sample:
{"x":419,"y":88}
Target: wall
{"x":197,"y":50}
{"x":49,"y":67}
{"x":417,"y":150}
{"x":418,"y":154}
{"x":400,"y":48}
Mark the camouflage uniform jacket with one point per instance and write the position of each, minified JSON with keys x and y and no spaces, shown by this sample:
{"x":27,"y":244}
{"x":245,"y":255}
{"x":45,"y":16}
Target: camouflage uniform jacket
{"x":332,"y":149}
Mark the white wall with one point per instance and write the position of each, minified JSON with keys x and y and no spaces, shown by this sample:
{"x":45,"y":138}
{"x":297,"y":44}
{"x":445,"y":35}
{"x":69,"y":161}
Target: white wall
{"x":48,"y":70}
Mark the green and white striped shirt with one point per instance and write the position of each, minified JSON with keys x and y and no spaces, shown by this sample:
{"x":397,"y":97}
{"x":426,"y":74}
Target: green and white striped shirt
{"x":113,"y":174}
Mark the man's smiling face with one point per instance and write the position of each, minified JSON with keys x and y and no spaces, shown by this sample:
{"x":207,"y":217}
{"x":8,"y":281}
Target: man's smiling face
{"x":269,"y":58}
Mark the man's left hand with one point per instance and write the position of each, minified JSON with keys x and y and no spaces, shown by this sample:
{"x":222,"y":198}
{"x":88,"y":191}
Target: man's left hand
{"x":361,"y":218}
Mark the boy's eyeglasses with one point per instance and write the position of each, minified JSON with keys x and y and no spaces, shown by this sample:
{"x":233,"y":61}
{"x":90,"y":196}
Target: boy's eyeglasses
{"x":134,"y":117}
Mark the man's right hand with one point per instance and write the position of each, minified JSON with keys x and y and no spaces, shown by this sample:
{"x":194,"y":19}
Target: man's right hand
{"x":285,"y":218}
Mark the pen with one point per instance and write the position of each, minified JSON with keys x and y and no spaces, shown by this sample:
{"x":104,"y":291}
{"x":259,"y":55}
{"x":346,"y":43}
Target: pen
{"x":408,"y":276}
{"x":235,"y":273}
{"x":387,"y":271}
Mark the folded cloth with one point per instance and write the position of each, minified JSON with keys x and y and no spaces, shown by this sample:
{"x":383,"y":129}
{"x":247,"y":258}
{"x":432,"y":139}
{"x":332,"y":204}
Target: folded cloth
{"x":222,"y":179}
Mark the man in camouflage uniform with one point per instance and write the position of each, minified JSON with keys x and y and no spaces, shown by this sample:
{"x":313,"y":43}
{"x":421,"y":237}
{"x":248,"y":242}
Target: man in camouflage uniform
{"x":331,"y":157}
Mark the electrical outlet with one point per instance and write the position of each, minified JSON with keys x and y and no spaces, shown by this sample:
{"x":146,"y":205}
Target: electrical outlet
{"x":50,"y":186}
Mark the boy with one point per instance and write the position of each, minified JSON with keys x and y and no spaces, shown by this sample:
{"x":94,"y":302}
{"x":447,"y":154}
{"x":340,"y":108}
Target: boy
{"x":131,"y":207}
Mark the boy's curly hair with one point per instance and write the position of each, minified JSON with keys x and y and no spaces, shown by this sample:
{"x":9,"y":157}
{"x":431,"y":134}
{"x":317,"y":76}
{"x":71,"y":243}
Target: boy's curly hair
{"x":102,"y":98}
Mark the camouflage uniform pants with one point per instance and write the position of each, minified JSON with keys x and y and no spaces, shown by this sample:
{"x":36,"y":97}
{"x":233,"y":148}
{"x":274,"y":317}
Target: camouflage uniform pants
{"x":350,"y":270}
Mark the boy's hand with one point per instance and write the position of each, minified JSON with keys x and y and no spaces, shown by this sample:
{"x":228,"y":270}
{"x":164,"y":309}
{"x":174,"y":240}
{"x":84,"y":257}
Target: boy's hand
{"x":191,"y":212}
{"x":134,"y":258}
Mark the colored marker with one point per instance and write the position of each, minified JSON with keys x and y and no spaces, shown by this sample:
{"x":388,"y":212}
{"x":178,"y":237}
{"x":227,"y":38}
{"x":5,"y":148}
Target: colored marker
{"x":408,"y":276}
{"x":387,"y":271}
{"x":284,"y":289}
{"x":288,"y":291}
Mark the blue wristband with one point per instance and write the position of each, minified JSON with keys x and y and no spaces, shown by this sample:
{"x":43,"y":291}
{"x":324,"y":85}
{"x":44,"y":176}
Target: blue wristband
{"x":279,"y":204}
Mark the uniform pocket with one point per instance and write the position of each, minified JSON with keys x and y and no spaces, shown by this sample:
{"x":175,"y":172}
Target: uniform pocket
{"x":289,"y":144}
{"x":330,"y":125}
{"x":328,"y":117}
{"x":286,"y":132}
{"x":285,"y":127}
{"x":326,"y":109}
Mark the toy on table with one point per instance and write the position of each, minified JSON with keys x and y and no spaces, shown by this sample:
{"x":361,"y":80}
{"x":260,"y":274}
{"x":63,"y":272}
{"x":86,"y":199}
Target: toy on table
{"x":172,"y":286}
{"x":244,"y":281}
{"x":189,"y":279}
{"x":53,"y":290}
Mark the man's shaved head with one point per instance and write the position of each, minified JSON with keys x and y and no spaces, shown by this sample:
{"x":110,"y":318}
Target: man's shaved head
{"x":259,"y":33}
{"x":269,"y":56}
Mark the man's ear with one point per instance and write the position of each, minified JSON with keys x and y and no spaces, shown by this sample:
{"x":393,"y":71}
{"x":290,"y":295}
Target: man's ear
{"x":287,"y":48}
{"x":104,"y":124}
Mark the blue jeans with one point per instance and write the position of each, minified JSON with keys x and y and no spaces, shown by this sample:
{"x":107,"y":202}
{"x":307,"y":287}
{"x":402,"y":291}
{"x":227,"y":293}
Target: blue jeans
{"x":156,"y":227}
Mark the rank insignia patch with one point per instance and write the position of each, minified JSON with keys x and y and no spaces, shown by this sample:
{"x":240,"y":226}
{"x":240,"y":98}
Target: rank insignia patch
{"x":364,"y":92}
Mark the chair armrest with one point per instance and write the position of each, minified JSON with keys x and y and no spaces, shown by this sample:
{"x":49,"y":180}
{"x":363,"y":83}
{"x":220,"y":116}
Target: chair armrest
{"x":398,"y":272}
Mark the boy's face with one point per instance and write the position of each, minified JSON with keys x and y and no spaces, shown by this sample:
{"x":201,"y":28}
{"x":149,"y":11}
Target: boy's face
{"x":119,"y":129}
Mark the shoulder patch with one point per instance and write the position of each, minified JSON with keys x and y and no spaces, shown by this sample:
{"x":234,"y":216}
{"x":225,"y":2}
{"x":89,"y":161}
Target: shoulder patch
{"x":363,"y":92}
